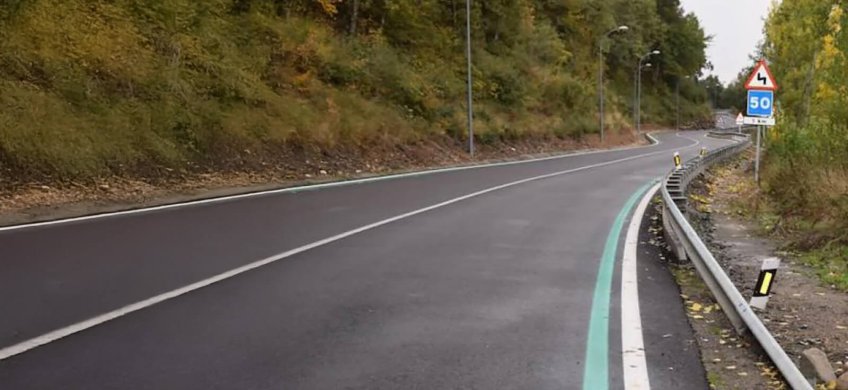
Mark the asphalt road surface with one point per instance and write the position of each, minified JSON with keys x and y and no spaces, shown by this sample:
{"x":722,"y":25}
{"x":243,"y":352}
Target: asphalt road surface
{"x":479,"y":278}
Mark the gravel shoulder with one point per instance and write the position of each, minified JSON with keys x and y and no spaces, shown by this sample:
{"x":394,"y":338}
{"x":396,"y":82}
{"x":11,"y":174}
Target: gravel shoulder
{"x":729,"y":361}
{"x":671,"y":347}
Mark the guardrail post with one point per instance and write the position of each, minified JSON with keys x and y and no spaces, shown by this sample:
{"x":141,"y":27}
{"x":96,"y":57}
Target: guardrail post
{"x":672,"y":236}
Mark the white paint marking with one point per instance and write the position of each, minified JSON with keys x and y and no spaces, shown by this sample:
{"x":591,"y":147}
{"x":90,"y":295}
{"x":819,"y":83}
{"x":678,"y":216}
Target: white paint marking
{"x":310,"y":187}
{"x":57,"y":334}
{"x":632,"y":345}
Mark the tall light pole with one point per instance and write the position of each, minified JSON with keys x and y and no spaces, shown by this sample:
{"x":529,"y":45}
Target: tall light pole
{"x":638,"y":109}
{"x":469,"y":87}
{"x":637,"y":93}
{"x":601,"y":74}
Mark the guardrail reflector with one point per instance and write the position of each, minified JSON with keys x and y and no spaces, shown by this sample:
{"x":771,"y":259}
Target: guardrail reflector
{"x":765,"y":282}
{"x":765,"y":286}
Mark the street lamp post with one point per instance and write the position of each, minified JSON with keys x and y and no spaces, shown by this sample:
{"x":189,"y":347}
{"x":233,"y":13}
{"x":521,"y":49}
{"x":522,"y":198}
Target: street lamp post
{"x":601,"y":75}
{"x":638,"y":110}
{"x":639,"y":97}
{"x":469,"y":91}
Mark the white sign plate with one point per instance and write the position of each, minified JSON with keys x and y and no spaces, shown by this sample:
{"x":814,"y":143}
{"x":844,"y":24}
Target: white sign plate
{"x":752,"y":120}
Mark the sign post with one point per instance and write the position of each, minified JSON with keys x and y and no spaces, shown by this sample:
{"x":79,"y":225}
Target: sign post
{"x":757,"y":160}
{"x":761,"y":86}
{"x":740,"y":120}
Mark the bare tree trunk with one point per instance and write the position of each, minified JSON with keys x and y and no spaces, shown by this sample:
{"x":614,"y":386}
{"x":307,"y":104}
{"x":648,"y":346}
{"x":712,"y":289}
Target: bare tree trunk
{"x":453,"y":12}
{"x":808,"y":89}
{"x":354,"y":16}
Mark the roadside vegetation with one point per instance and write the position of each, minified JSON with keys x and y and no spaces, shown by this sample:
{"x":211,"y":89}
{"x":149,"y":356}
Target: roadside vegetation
{"x":805,"y":171}
{"x":142,"y":88}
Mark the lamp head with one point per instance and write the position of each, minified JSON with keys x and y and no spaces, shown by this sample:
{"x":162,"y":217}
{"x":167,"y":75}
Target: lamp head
{"x":623,"y":28}
{"x":655,"y":52}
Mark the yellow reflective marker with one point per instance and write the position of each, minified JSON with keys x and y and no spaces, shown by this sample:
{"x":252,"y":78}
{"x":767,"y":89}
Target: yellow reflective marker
{"x":764,"y":286}
{"x":677,"y":160}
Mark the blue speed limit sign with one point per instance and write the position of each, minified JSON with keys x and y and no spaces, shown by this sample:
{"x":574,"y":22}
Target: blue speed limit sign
{"x":760,"y":103}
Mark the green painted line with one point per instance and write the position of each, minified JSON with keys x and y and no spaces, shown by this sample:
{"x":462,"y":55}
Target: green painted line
{"x":596,"y":369}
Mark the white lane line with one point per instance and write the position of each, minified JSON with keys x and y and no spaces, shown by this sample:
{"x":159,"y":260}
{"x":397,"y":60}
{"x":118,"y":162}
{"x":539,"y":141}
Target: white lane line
{"x":60,"y":333}
{"x":311,"y":187}
{"x":632,"y":345}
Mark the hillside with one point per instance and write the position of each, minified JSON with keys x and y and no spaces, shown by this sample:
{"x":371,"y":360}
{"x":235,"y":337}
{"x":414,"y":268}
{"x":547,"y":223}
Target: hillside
{"x":141,"y":89}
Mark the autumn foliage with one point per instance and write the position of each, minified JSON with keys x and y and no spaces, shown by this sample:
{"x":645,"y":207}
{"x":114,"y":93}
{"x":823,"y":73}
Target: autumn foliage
{"x":806,"y":171}
{"x":135,"y":87}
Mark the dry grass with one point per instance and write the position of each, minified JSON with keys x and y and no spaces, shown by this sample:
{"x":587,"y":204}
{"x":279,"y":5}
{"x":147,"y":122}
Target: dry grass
{"x":92,"y":89}
{"x":807,"y":212}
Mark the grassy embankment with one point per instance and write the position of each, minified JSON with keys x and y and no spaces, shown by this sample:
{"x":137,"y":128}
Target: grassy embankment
{"x":93,"y":89}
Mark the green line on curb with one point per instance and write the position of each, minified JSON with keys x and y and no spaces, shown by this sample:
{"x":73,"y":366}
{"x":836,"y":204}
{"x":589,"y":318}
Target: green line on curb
{"x":596,"y":369}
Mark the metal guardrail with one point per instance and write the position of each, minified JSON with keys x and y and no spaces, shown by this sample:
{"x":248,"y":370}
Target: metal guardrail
{"x":687,"y":244}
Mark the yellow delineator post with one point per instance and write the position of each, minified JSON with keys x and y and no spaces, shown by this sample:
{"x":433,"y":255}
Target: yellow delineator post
{"x":677,"y":161}
{"x":765,"y":282}
{"x":703,"y":152}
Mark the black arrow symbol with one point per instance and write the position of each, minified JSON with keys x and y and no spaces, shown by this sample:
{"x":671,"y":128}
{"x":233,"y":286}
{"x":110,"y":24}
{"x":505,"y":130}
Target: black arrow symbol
{"x":762,"y":78}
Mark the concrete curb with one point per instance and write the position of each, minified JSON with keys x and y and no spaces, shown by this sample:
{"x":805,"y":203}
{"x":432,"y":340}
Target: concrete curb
{"x":199,"y":200}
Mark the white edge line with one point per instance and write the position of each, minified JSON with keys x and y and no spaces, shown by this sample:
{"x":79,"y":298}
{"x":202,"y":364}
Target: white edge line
{"x":310,"y":187}
{"x":632,"y":344}
{"x":60,"y":333}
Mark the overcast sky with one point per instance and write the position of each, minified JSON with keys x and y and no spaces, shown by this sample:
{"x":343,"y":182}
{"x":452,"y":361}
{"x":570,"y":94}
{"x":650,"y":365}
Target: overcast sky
{"x":736,"y":27}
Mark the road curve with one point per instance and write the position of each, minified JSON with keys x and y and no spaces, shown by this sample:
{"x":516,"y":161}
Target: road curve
{"x":492,"y":290}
